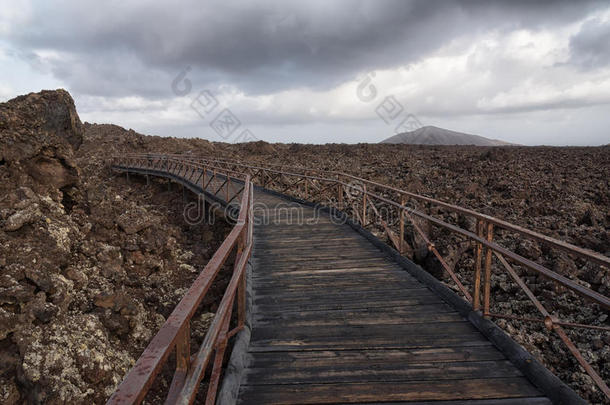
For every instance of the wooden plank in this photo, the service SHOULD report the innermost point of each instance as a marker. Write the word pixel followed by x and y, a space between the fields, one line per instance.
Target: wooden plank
pixel 354 331
pixel 503 401
pixel 329 295
pixel 282 239
pixel 355 318
pixel 322 251
pixel 370 264
pixel 281 244
pixel 390 391
pixel 326 306
pixel 320 256
pixel 404 357
pixel 366 342
pixel 313 264
pixel 380 371
pixel 321 288
pixel 312 280
pixel 380 275
pixel 281 314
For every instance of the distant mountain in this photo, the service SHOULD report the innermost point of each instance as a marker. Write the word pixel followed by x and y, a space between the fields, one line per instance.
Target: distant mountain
pixel 430 135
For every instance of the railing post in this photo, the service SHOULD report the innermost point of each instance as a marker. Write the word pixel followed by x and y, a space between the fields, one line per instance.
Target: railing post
pixel 487 286
pixel 221 346
pixel 183 348
pixel 402 224
pixel 476 292
pixel 241 243
pixel 241 289
pixel 183 362
pixel 340 195
pixel 205 173
pixel 363 205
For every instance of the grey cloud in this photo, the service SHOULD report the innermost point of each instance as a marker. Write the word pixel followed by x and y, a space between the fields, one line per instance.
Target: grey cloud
pixel 590 47
pixel 260 47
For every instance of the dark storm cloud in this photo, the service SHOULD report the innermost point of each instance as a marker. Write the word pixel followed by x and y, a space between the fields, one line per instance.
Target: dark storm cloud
pixel 260 47
pixel 590 48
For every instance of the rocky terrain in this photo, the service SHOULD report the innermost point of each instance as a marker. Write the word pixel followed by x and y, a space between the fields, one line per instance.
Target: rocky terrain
pixel 90 264
pixel 89 261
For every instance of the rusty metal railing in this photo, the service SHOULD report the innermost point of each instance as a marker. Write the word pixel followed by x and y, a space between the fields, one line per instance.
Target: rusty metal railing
pixel 174 335
pixel 364 200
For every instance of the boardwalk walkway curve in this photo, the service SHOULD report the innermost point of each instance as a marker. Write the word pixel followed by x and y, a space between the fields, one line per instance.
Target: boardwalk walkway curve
pixel 333 315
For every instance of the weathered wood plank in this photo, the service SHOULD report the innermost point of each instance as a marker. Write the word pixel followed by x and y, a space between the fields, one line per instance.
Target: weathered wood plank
pixel 390 391
pixel 504 401
pixel 280 314
pixel 355 318
pixel 404 357
pixel 389 303
pixel 366 342
pixel 333 295
pixel 316 268
pixel 380 371
pixel 360 331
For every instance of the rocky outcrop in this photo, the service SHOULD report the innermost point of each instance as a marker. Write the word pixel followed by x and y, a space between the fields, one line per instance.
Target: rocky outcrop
pixel 90 264
pixel 39 133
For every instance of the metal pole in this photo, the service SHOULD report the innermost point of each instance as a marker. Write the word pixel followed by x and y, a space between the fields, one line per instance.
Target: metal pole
pixel 340 196
pixel 476 292
pixel 241 289
pixel 487 287
pixel 363 205
pixel 402 225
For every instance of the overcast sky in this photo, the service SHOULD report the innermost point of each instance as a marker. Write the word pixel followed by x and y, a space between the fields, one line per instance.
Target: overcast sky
pixel 530 72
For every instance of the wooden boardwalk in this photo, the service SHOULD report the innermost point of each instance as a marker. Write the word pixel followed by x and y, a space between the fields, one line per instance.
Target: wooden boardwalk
pixel 336 321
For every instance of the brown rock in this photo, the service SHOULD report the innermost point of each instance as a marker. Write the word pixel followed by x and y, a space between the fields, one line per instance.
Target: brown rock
pixel 114 301
pixel 79 278
pixel 105 300
pixel 135 220
pixel 529 249
pixel 16 293
pixel 136 257
pixel 40 309
pixel 23 217
pixel 8 323
pixel 9 392
pixel 52 171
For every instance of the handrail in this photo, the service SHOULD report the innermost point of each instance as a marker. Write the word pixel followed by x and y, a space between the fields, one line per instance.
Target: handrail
pixel 175 332
pixel 483 238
